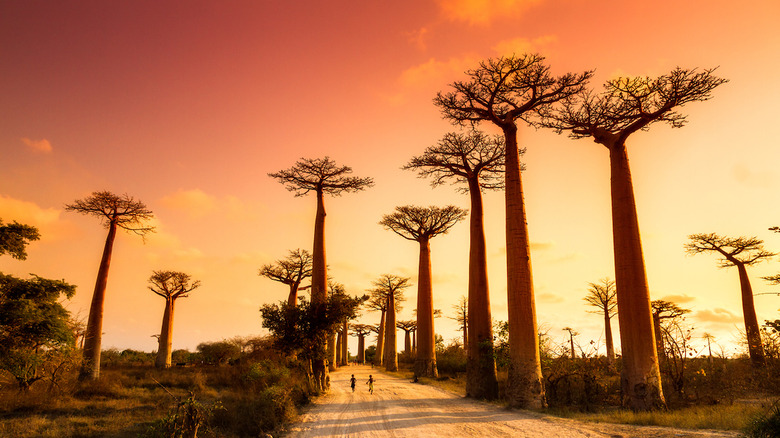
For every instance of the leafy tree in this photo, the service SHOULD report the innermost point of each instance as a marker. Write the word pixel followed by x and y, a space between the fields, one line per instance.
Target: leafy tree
pixel 290 271
pixel 603 296
pixel 420 224
pixel 502 91
pixel 740 252
pixel 34 326
pixel 115 212
pixel 628 105
pixel 171 285
pixel 477 161
pixel 218 353
pixel 321 176
pixel 390 288
pixel 15 237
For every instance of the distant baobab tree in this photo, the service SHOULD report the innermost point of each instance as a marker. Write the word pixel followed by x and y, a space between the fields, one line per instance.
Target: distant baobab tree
pixel 420 224
pixel 664 310
pixel 462 318
pixel 390 288
pixel 378 300
pixel 15 237
pixel 361 330
pixel 290 271
pixel 572 334
pixel 502 91
pixel 477 161
pixel 408 326
pixel 171 285
pixel 321 176
pixel 628 105
pixel 603 296
pixel 116 212
pixel 740 252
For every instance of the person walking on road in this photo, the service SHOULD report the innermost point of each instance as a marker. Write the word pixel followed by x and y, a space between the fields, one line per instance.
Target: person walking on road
pixel 370 384
pixel 352 382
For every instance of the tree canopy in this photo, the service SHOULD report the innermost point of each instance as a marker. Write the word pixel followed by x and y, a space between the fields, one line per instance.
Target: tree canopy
pixel 320 175
pixel 124 211
pixel 15 237
pixel 421 223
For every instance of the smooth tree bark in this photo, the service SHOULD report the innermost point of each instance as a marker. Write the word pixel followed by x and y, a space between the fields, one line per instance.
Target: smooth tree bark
pixel 408 327
pixel 170 285
pixel 475 160
pixel 116 212
pixel 321 176
pixel 291 271
pixel 502 91
pixel 420 224
pixel 344 349
pixel 603 296
pixel 628 105
pixel 740 252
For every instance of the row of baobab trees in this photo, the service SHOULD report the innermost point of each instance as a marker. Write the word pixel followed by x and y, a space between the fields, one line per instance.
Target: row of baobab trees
pixel 508 93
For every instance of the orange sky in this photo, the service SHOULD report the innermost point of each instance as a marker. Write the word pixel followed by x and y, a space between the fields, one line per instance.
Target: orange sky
pixel 188 105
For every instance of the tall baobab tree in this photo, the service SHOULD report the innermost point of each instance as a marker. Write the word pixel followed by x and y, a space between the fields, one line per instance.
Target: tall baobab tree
pixel 408 326
pixel 321 176
pixel 502 91
pixel 361 330
pixel 628 105
pixel 390 288
pixel 740 252
pixel 420 224
pixel 115 212
pixel 664 310
pixel 603 296
pixel 477 161
pixel 290 271
pixel 171 285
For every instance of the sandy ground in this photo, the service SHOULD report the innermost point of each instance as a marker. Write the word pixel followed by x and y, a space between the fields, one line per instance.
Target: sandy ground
pixel 399 408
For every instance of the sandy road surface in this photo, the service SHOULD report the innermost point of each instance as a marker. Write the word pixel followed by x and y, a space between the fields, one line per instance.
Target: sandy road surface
pixel 399 408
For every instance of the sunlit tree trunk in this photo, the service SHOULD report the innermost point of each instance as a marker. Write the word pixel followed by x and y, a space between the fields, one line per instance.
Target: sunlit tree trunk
pixel 319 285
pixel 292 298
pixel 641 378
pixel 90 367
pixel 164 349
pixel 331 345
pixel 391 358
pixel 344 338
pixel 608 337
pixel 755 347
pixel 524 384
pixel 425 362
pixel 361 356
pixel 481 365
pixel 339 351
pixel 660 348
pixel 407 342
pixel 380 341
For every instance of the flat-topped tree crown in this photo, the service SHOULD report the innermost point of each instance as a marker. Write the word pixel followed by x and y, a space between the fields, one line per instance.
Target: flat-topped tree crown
pixel 320 175
pixel 123 211
pixel 628 105
pixel 422 223
pixel 734 251
pixel 172 284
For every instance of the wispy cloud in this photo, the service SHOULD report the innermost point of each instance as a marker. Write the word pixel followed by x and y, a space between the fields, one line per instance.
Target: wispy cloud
pixel 549 298
pixel 524 45
pixel 717 315
pixel 42 145
pixel 679 299
pixel 483 12
pixel 195 202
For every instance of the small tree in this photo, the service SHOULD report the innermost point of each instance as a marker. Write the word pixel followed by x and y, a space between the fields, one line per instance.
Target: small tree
pixel 15 237
pixel 290 271
pixel 408 327
pixel 321 176
pixel 462 318
pixel 171 285
pixel 603 296
pixel 572 334
pixel 390 288
pixel 115 212
pixel 33 325
pixel 663 311
pixel 420 224
pixel 740 252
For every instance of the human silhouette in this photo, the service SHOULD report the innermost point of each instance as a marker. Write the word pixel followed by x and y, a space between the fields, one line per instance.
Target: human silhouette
pixel 352 382
pixel 370 384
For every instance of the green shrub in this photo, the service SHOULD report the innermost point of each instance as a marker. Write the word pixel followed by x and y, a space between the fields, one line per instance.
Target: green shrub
pixel 765 425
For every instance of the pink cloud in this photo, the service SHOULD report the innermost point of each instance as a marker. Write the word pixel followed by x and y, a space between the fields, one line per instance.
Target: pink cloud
pixel 38 145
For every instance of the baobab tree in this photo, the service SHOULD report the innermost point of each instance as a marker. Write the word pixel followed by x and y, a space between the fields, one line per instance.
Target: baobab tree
pixel 475 160
pixel 628 105
pixel 664 310
pixel 502 91
pixel 740 252
pixel 390 288
pixel 603 296
pixel 572 334
pixel 420 224
pixel 462 318
pixel 321 176
pixel 115 212
pixel 291 271
pixel 360 331
pixel 408 326
pixel 171 285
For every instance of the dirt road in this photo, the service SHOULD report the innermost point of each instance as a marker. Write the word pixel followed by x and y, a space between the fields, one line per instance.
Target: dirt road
pixel 399 408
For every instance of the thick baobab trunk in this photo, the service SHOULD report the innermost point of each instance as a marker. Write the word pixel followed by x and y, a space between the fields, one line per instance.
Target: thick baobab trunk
pixel 414 342
pixel 339 342
pixel 391 358
pixel 755 347
pixel 344 338
pixel 361 356
pixel 608 337
pixel 660 348
pixel 641 378
pixel 332 337
pixel 164 348
pixel 90 367
pixel 380 341
pixel 407 343
pixel 524 384
pixel 481 365
pixel 319 292
pixel 292 299
pixel 425 362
